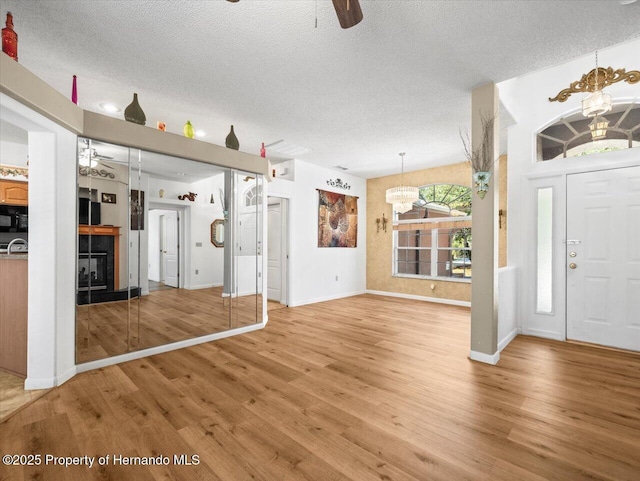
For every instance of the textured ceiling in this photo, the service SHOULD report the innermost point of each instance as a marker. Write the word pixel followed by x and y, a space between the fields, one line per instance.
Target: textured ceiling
pixel 399 81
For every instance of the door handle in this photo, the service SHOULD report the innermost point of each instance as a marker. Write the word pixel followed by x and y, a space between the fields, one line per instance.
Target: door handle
pixel 573 265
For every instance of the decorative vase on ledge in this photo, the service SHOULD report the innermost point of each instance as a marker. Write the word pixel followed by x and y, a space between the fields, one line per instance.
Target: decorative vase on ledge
pixel 232 141
pixel 187 130
pixel 10 39
pixel 481 181
pixel 133 112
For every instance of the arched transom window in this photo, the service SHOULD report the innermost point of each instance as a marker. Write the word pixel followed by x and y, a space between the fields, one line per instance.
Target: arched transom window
pixel 573 136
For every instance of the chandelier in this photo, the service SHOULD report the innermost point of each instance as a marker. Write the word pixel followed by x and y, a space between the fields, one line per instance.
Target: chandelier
pixel 404 196
pixel 598 101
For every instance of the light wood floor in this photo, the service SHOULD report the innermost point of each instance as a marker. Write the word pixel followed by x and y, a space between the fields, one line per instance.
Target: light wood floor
pixel 13 395
pixel 364 388
pixel 162 317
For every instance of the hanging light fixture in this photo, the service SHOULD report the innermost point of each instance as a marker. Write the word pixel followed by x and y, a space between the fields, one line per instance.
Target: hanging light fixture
pixel 597 102
pixel 87 158
pixel 404 196
pixel 598 127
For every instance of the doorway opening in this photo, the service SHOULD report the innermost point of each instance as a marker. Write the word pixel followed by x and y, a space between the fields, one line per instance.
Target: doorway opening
pixel 277 252
pixel 164 249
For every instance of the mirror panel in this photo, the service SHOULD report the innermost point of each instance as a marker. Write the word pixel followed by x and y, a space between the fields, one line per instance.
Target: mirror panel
pixel 102 303
pixel 172 275
pixel 247 257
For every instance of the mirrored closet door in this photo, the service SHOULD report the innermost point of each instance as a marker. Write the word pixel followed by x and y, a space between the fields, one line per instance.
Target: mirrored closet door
pixel 168 249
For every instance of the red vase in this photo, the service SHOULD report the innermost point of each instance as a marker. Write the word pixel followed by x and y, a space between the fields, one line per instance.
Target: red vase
pixel 10 39
pixel 263 151
pixel 74 91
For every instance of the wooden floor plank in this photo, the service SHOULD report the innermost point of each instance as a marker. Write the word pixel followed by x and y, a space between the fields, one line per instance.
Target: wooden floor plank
pixel 362 388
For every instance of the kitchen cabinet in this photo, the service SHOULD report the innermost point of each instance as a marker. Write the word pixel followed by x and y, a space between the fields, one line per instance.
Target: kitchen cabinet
pixel 13 192
pixel 13 314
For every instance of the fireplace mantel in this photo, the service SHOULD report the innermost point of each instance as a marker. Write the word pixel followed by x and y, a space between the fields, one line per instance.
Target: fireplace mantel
pixel 106 230
pixel 98 230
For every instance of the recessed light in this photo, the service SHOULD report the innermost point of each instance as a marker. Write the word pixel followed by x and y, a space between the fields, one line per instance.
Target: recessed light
pixel 200 133
pixel 112 109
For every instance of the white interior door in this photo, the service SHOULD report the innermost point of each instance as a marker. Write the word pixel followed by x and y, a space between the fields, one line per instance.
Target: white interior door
pixel 170 251
pixel 274 250
pixel 603 258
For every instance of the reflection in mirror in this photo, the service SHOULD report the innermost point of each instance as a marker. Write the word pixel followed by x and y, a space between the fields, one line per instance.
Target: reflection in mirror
pixel 246 219
pixel 175 278
pixel 217 232
pixel 102 273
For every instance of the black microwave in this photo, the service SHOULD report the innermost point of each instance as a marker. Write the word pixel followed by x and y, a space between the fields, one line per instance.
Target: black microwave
pixel 14 218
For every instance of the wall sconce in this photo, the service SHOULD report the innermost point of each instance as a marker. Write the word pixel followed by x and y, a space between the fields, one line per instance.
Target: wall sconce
pixel 381 223
pixel 501 213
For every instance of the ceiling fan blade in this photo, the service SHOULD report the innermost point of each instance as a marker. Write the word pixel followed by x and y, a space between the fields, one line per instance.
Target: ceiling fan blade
pixel 349 12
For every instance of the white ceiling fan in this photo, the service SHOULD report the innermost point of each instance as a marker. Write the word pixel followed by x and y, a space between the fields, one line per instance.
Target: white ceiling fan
pixel 89 157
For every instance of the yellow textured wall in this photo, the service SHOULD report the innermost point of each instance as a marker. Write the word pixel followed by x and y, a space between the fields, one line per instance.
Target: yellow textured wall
pixel 380 244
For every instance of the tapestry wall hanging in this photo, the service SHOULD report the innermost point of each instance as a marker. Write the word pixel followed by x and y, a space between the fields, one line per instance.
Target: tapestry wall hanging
pixel 337 220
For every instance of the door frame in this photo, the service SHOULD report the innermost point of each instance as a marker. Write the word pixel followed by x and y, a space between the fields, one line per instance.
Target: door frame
pixel 286 222
pixel 183 218
pixel 553 325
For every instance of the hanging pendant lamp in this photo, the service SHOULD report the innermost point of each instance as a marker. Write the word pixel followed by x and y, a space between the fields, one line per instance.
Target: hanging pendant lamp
pixel 598 102
pixel 404 196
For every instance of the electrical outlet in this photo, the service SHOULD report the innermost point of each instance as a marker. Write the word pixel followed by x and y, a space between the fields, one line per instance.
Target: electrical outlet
pixel 198 244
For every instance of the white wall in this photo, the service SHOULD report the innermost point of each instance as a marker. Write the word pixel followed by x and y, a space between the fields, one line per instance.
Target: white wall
pixel 313 269
pixel 526 99
pixel 205 257
pixel 13 153
pixel 200 253
pixel 52 246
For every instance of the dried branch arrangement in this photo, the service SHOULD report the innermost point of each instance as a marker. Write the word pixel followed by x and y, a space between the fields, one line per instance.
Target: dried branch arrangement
pixel 481 158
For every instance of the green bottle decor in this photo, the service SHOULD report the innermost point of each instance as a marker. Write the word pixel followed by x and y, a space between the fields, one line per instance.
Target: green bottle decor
pixel 232 141
pixel 133 113
pixel 187 130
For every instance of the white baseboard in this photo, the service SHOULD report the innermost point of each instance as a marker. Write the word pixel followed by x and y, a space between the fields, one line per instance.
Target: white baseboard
pixel 49 382
pixel 41 383
pixel 556 336
pixel 64 377
pixel 485 358
pixel 324 299
pixel 452 302
pixel 203 286
pixel 508 338
pixel 88 366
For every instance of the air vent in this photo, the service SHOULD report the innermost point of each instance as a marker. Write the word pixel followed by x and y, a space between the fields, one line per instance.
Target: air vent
pixel 287 148
pixel 340 167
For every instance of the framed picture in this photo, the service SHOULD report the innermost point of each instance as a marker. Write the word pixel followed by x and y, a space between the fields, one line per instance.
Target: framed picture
pixel 137 209
pixel 337 219
pixel 108 198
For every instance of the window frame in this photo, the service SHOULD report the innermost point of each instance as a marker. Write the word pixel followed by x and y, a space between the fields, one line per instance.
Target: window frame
pixel 434 248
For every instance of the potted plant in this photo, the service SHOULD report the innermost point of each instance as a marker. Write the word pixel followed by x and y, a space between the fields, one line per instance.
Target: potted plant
pixel 481 158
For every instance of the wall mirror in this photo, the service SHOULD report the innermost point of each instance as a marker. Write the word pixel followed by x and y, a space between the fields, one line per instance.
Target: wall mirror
pixel 217 232
pixel 149 271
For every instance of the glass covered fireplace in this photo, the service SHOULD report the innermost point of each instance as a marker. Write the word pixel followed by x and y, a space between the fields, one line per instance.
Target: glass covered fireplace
pixel 92 271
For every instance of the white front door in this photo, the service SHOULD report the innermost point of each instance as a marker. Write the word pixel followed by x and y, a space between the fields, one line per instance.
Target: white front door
pixel 274 251
pixel 603 257
pixel 170 251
